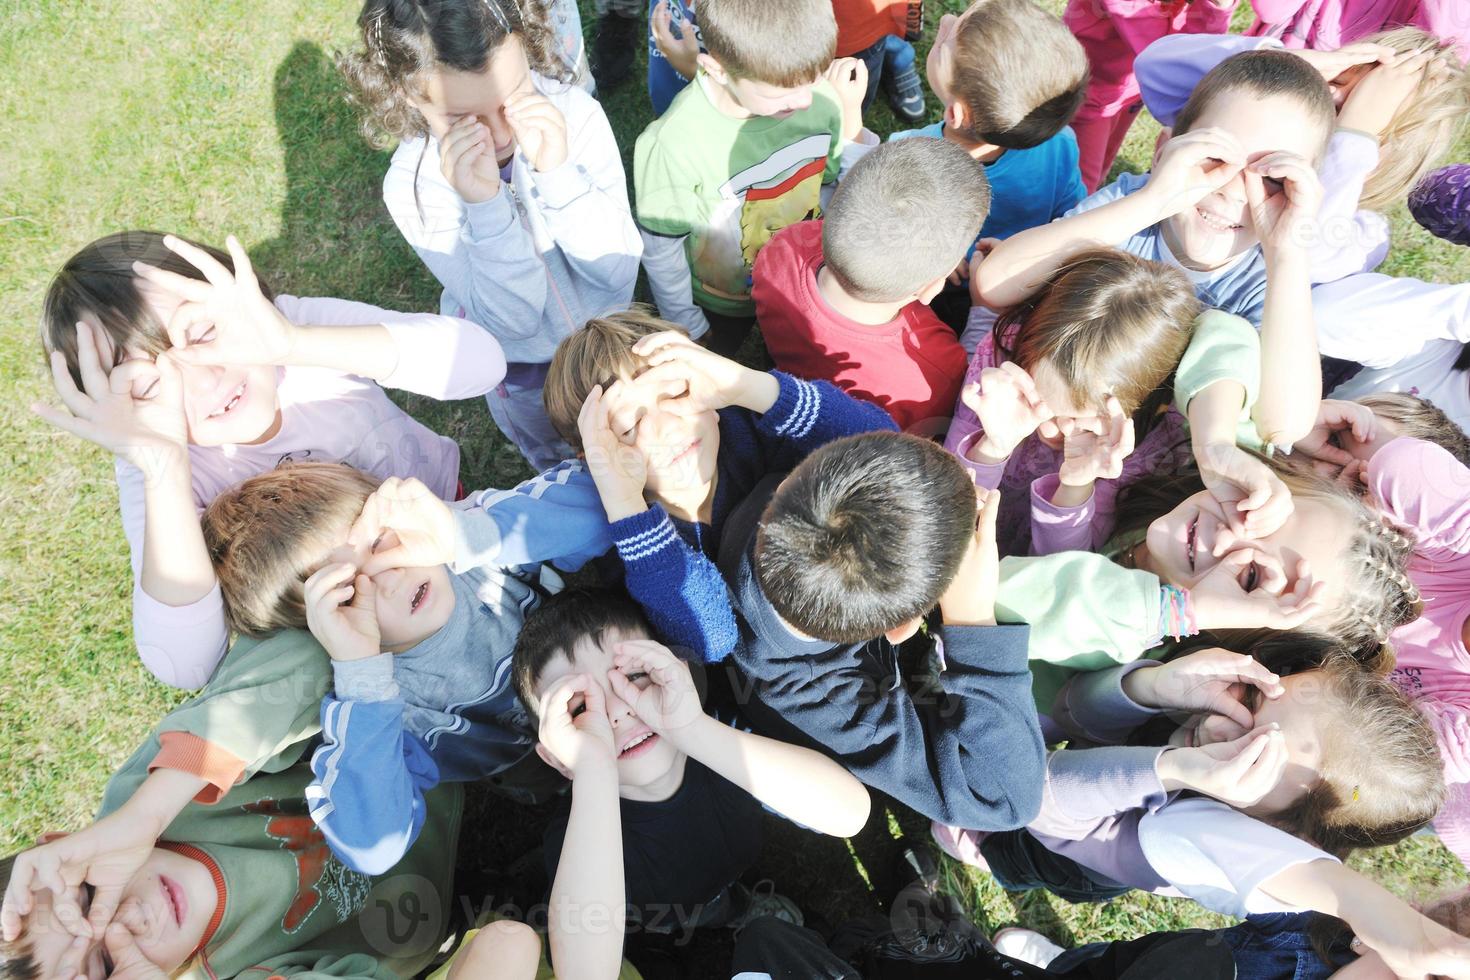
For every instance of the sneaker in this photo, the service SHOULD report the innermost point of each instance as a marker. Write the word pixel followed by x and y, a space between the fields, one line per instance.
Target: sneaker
pixel 1026 946
pixel 763 900
pixel 905 93
pixel 960 844
pixel 614 48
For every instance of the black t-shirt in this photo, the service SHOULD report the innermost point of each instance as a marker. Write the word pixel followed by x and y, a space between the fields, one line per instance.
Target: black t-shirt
pixel 681 852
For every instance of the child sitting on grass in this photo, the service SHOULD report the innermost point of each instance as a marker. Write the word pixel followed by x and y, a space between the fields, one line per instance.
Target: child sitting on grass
pixel 195 375
pixel 690 787
pixel 418 604
pixel 846 298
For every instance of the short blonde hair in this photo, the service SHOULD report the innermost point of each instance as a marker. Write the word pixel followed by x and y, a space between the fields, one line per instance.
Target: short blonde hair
pixel 1426 128
pixel 786 43
pixel 1019 72
pixel 904 217
pixel 1420 419
pixel 598 354
pixel 266 535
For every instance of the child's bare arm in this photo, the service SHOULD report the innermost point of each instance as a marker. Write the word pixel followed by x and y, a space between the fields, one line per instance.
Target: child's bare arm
pixel 502 950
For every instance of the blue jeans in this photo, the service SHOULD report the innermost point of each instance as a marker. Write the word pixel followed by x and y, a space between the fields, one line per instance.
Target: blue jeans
pixel 663 82
pixel 518 411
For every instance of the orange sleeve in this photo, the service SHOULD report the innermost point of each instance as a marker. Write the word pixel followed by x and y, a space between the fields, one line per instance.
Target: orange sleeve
pixel 190 753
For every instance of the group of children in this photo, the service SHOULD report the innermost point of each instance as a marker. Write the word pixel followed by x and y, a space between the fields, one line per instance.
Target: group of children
pixel 1041 527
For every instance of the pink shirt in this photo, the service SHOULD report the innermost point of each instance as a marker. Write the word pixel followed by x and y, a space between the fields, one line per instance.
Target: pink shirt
pixel 1326 25
pixel 325 415
pixel 1425 490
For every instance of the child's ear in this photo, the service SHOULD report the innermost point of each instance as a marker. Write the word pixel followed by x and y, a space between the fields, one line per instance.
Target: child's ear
pixel 903 631
pixel 552 761
pixel 1165 134
pixel 928 292
pixel 712 68
pixel 955 115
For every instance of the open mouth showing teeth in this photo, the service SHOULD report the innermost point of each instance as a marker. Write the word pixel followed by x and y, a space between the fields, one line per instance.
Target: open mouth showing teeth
pixel 632 747
pixel 1215 222
pixel 229 405
pixel 1191 538
pixel 418 598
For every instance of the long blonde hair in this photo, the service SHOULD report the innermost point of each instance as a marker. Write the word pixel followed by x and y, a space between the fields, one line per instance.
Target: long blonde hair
pixel 1425 130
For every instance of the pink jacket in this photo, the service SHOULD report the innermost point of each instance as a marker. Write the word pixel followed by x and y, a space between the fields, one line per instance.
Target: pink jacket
pixel 1326 25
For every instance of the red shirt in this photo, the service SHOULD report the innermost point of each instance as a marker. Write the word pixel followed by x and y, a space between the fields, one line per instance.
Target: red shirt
pixel 860 23
pixel 912 366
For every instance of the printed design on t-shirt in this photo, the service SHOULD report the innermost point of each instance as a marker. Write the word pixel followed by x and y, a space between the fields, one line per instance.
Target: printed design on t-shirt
pixel 1409 679
pixel 319 876
pixel 784 188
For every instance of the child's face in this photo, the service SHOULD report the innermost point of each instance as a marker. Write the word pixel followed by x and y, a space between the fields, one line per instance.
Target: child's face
pixel 1218 228
pixel 680 450
pixel 223 406
pixel 167 906
pixel 759 98
pixel 1302 714
pixel 412 603
pixel 644 758
pixel 1185 544
pixel 447 96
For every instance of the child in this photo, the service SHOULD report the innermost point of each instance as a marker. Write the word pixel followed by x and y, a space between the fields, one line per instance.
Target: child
pixel 689 784
pixel 1333 572
pixel 1113 32
pixel 420 651
pixel 1228 200
pixel 675 437
pixel 205 862
pixel 174 357
pixel 1423 355
pixel 743 152
pixel 1319 763
pixel 845 298
pixel 1011 77
pixel 854 548
pixel 1107 329
pixel 480 103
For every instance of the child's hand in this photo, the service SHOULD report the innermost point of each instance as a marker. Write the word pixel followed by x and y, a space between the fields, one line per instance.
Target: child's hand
pixel 712 382
pixel 1382 92
pixel 134 410
pixel 1334 417
pixel 226 319
pixel 1248 590
pixel 1210 680
pixel 618 469
pixel 1255 501
pixel 970 598
pixel 668 701
pixel 681 50
pixel 849 76
pixel 128 961
pixel 1240 772
pixel 1094 449
pixel 574 725
pixel 347 630
pixel 1190 167
pixel 467 159
pixel 405 526
pixel 1332 64
pixel 540 130
pixel 105 855
pixel 1009 408
pixel 1285 194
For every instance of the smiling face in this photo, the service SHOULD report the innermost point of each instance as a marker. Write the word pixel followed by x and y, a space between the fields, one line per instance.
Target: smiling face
pixel 412 603
pixel 1303 713
pixel 649 767
pixel 1186 543
pixel 1218 228
pixel 680 450
pixel 167 906
pixel 445 96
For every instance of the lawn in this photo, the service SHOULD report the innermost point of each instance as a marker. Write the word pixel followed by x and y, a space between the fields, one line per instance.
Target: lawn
pixel 227 117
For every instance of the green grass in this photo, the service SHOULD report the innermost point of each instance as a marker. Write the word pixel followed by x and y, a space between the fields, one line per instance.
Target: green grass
pixel 227 117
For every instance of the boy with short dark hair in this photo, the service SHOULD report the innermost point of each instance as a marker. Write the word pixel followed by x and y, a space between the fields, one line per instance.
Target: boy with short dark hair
pixel 856 546
pixel 689 816
pixel 746 149
pixel 846 298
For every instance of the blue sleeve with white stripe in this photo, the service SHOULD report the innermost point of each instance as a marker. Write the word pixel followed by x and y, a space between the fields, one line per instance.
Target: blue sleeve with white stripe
pixel 680 589
pixel 809 414
pixel 554 517
pixel 368 785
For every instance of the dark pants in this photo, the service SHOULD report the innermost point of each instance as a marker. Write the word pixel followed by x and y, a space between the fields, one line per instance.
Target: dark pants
pixel 726 333
pixel 1020 863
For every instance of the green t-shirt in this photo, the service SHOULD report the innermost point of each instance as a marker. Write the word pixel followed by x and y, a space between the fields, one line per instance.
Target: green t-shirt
pixel 730 184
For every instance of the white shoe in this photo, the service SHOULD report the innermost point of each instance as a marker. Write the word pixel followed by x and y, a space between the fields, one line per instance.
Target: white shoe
pixel 1026 946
